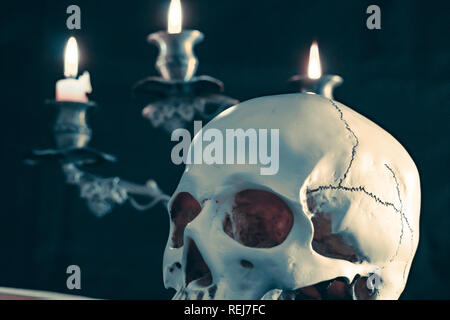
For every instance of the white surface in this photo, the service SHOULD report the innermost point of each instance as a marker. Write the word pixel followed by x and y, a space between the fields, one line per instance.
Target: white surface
pixel 39 294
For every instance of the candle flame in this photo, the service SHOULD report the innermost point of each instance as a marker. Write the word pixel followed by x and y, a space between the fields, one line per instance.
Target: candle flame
pixel 175 17
pixel 71 58
pixel 314 67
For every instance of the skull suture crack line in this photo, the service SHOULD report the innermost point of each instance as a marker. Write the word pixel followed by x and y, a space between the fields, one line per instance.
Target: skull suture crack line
pixel 362 189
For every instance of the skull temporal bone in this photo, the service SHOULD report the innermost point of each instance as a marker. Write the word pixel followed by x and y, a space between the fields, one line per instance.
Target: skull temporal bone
pixel 351 190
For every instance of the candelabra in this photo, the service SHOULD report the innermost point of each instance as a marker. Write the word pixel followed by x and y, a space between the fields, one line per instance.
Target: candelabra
pixel 170 101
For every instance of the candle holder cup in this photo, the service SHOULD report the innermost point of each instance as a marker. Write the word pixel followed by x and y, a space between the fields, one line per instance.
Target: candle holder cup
pixel 176 60
pixel 71 134
pixel 323 86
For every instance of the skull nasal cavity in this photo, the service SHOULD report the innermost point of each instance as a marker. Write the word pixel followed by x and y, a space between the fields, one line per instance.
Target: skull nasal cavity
pixel 196 268
pixel 184 209
pixel 260 219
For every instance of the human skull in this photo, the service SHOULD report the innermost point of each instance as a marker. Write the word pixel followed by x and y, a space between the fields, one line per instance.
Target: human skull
pixel 339 220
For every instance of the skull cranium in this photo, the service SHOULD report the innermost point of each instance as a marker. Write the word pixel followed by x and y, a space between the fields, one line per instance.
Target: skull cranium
pixel 339 220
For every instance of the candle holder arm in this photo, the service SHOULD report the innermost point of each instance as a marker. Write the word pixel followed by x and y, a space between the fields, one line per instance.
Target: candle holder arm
pixel 102 194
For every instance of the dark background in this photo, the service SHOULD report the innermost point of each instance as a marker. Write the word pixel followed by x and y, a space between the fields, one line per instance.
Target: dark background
pixel 397 76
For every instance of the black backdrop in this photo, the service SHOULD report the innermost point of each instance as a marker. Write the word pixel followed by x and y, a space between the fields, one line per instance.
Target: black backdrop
pixel 397 76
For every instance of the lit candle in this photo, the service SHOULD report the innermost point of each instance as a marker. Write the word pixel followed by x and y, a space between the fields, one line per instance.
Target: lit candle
pixel 314 66
pixel 315 81
pixel 71 88
pixel 175 17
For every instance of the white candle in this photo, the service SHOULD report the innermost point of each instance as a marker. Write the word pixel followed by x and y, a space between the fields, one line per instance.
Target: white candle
pixel 71 88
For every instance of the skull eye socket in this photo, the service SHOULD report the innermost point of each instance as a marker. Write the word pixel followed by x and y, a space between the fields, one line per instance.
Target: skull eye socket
pixel 184 209
pixel 260 219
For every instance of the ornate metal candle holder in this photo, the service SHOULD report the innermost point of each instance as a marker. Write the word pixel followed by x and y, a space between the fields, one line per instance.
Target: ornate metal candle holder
pixel 176 60
pixel 323 86
pixel 173 99
pixel 72 135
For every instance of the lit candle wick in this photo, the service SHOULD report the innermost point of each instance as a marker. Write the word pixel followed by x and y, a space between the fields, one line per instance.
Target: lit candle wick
pixel 175 17
pixel 71 58
pixel 314 67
